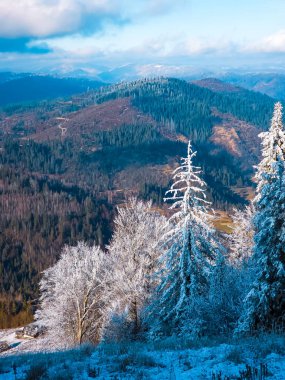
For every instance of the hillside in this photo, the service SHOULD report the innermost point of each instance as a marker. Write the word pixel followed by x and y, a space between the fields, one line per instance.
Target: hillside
pixel 271 84
pixel 28 88
pixel 217 85
pixel 66 164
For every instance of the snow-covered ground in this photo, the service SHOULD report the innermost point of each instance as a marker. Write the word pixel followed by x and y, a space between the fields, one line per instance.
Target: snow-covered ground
pixel 19 346
pixel 167 359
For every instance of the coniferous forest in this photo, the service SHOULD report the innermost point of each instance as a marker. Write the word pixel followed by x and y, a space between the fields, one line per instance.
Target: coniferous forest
pixel 111 233
pixel 58 190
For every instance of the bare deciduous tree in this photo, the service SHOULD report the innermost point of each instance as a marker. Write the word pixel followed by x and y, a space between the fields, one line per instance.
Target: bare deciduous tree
pixel 134 253
pixel 72 305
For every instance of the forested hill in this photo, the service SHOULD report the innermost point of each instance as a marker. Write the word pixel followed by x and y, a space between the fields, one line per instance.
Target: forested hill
pixel 64 164
pixel 172 98
pixel 26 88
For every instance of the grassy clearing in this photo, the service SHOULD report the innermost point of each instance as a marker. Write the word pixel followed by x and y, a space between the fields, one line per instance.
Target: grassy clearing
pixel 223 222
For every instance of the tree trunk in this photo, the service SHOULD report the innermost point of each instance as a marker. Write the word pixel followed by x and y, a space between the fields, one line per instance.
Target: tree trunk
pixel 135 316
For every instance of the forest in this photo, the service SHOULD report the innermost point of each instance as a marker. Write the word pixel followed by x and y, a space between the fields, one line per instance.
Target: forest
pixel 174 275
pixel 60 191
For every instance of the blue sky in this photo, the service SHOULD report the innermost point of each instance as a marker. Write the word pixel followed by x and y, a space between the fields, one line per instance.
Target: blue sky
pixel 64 35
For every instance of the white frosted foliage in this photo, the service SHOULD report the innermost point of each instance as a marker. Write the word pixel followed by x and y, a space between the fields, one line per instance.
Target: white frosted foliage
pixel 72 295
pixel 134 255
pixel 189 248
pixel 265 303
pixel 240 241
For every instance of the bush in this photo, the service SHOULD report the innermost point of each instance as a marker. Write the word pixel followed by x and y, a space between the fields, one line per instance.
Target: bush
pixel 86 350
pixel 270 343
pixel 36 372
pixel 235 356
pixel 93 372
pixel 3 369
pixel 134 361
pixel 62 375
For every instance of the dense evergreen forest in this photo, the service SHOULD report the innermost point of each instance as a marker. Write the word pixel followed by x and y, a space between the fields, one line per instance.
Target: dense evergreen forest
pixel 60 191
pixel 187 108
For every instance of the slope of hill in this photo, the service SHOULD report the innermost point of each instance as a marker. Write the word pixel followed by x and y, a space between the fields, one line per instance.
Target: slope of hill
pixel 217 85
pixel 6 76
pixel 64 165
pixel 271 84
pixel 28 88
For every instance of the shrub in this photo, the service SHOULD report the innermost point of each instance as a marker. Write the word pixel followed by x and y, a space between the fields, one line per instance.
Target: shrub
pixel 61 375
pixel 36 372
pixel 136 360
pixel 235 356
pixel 93 372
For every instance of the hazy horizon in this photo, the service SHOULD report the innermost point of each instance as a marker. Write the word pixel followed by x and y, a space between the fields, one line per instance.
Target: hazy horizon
pixel 152 37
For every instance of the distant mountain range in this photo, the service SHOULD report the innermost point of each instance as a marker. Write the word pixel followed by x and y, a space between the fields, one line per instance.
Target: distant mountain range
pixel 25 87
pixel 270 84
pixel 20 88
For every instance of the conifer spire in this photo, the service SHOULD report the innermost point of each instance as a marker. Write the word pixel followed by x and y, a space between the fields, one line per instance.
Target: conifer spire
pixel 265 303
pixel 188 248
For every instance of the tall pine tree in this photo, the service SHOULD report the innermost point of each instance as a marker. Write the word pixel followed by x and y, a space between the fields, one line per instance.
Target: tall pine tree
pixel 189 251
pixel 265 303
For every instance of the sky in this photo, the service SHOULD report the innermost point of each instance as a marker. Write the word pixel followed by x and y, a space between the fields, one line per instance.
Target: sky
pixel 96 35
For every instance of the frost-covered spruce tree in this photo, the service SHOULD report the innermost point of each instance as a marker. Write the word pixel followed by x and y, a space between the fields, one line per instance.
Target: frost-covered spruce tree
pixel 134 252
pixel 265 303
pixel 222 308
pixel 240 241
pixel 73 295
pixel 189 250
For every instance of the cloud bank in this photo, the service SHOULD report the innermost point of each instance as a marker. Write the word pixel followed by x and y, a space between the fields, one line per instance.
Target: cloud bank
pixel 43 18
pixel 76 33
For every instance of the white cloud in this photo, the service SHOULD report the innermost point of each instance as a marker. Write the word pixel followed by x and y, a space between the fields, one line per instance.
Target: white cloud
pixel 274 43
pixel 35 18
pixel 200 46
pixel 162 6
pixel 42 18
pixel 115 43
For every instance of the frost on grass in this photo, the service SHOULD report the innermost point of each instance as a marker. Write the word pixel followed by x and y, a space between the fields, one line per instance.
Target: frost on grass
pixel 171 358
